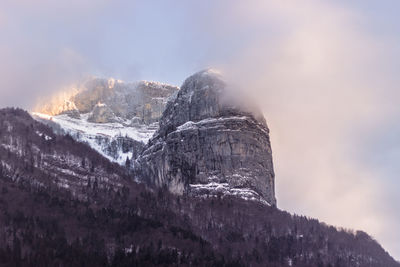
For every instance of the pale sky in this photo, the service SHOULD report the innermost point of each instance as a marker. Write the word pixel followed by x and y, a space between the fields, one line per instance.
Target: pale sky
pixel 324 72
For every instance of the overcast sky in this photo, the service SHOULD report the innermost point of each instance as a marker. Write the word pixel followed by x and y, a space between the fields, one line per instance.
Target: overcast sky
pixel 324 72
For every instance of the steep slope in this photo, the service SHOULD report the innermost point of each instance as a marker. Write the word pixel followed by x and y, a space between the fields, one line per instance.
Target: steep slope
pixel 144 100
pixel 63 204
pixel 31 153
pixel 46 223
pixel 113 117
pixel 116 141
pixel 208 144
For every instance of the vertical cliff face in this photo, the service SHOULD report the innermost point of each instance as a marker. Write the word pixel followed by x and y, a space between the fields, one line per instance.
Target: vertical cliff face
pixel 142 100
pixel 209 144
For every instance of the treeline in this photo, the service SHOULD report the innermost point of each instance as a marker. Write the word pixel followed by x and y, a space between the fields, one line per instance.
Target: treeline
pixel 60 232
pixel 147 231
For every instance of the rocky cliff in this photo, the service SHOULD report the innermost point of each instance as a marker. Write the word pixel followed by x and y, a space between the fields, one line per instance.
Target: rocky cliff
pixel 207 140
pixel 113 117
pixel 143 101
pixel 101 113
pixel 209 144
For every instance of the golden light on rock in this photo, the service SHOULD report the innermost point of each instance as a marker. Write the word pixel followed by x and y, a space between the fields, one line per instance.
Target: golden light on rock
pixel 58 103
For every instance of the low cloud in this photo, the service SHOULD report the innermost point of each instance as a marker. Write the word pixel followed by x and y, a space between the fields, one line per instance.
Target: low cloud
pixel 321 83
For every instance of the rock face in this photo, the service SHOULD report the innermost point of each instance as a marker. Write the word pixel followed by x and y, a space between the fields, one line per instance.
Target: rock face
pixel 113 117
pixel 207 144
pixel 102 114
pixel 141 100
pixel 144 100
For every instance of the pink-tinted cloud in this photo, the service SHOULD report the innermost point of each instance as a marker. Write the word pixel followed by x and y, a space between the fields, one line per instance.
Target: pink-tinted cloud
pixel 320 83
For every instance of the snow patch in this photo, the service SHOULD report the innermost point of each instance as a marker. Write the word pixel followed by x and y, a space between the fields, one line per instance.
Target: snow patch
pixel 187 126
pixel 227 190
pixel 92 133
pixel 100 105
pixel 46 137
pixel 42 116
pixel 190 125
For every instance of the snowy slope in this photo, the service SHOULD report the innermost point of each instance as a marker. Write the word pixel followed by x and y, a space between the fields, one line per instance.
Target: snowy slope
pixel 113 117
pixel 101 135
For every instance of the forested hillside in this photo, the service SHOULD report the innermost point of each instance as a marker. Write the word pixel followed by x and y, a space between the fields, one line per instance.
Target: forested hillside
pixel 96 215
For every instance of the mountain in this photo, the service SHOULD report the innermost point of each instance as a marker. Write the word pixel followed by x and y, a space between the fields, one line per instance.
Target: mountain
pixel 207 145
pixel 199 192
pixel 63 204
pixel 207 142
pixel 113 117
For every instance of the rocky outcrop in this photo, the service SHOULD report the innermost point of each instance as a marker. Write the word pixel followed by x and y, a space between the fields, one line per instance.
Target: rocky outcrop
pixel 73 113
pixel 144 100
pixel 208 141
pixel 209 144
pixel 102 114
pixel 63 106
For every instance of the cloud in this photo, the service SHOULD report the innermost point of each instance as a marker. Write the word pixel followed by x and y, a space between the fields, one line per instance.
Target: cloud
pixel 319 77
pixel 29 74
pixel 38 55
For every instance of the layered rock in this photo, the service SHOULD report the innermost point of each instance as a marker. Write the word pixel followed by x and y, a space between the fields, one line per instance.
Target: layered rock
pixel 208 144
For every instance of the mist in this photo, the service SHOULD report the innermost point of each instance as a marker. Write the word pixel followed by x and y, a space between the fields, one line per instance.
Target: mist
pixel 323 74
pixel 325 92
